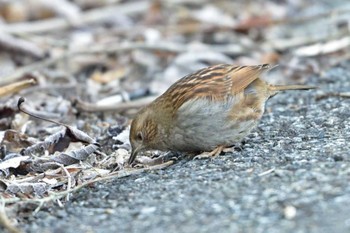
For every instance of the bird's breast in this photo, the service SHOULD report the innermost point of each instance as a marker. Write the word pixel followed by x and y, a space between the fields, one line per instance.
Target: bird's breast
pixel 202 124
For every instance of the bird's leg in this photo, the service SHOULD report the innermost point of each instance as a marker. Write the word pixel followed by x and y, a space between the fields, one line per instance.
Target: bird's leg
pixel 213 154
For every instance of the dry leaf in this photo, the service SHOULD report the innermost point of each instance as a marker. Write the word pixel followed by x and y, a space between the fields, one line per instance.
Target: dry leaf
pixel 75 156
pixel 38 189
pixel 15 141
pixel 12 162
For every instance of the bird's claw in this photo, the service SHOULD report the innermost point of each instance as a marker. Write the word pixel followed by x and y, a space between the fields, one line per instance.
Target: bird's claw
pixel 213 154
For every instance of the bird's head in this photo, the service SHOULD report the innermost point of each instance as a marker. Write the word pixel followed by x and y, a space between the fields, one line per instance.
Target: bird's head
pixel 143 134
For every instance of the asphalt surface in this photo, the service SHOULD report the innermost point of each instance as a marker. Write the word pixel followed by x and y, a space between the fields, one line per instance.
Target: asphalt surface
pixel 292 175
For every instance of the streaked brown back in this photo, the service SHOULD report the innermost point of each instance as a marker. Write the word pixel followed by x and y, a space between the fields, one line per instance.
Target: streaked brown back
pixel 215 83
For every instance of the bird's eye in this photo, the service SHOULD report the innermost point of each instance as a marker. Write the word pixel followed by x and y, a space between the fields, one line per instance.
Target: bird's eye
pixel 139 136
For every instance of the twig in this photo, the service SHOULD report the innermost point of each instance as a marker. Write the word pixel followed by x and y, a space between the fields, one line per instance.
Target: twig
pixel 37 209
pixel 69 178
pixel 59 203
pixel 92 16
pixel 5 221
pixel 121 107
pixel 333 94
pixel 267 172
pixel 11 43
pixel 288 43
pixel 323 48
pixel 16 87
pixel 32 67
pixel 37 114
pixel 64 8
pixel 344 94
pixel 113 175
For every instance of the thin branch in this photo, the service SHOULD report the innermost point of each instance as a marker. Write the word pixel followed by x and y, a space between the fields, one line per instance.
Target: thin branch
pixel 29 68
pixel 282 44
pixel 36 115
pixel 333 94
pixel 267 172
pixel 11 43
pixel 69 178
pixel 323 48
pixel 121 107
pixel 5 221
pixel 16 87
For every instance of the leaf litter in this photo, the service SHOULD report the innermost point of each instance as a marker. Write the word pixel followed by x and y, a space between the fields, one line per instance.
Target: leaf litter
pixel 88 66
pixel 62 162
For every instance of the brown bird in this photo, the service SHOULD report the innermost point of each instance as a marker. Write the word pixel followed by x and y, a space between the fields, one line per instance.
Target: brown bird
pixel 206 111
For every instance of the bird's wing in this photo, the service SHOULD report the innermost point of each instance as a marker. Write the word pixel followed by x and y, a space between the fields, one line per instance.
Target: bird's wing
pixel 214 83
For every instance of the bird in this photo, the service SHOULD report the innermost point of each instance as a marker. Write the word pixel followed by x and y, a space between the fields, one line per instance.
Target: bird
pixel 205 112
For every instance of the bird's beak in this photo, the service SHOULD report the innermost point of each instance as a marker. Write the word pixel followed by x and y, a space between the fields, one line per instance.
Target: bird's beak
pixel 132 157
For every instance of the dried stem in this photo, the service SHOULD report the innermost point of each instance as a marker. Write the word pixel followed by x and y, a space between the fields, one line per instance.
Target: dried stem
pixel 333 94
pixel 69 180
pixel 21 100
pixel 11 43
pixel 29 68
pixel 121 107
pixel 16 87
pixel 5 221
pixel 267 172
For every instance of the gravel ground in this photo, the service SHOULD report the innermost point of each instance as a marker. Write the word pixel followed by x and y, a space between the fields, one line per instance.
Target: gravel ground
pixel 291 176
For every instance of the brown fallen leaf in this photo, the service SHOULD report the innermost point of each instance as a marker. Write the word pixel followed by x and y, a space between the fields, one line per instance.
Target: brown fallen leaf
pixel 16 141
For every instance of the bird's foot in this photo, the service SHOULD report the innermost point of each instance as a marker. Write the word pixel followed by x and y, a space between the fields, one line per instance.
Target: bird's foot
pixel 213 154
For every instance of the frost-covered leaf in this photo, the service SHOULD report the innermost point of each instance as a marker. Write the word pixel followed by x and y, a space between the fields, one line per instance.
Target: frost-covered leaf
pixel 75 156
pixel 59 141
pixel 13 162
pixel 37 189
